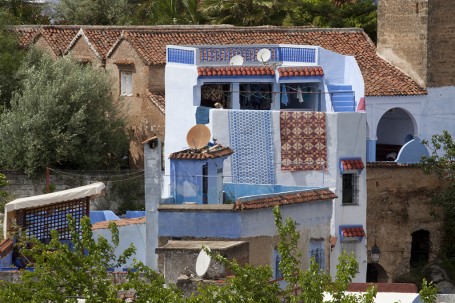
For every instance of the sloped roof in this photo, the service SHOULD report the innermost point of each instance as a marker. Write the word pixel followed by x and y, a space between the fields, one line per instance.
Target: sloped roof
pixel 58 37
pixel 207 153
pixel 381 78
pixel 300 71
pixel 99 40
pixel 157 100
pixel 286 199
pixel 26 35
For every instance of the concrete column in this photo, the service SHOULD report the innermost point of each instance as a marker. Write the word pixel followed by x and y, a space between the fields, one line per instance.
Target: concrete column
pixel 152 187
pixel 235 96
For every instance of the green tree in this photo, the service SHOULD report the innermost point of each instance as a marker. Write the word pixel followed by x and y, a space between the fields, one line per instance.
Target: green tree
pixel 161 12
pixel 441 162
pixel 10 59
pixel 25 12
pixel 62 116
pixel 3 194
pixel 93 12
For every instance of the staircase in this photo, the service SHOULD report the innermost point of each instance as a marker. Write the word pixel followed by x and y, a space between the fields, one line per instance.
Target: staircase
pixel 343 99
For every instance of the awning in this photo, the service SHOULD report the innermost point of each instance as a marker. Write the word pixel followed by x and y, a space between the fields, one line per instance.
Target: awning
pixel 351 232
pixel 91 191
pixel 56 197
pixel 348 165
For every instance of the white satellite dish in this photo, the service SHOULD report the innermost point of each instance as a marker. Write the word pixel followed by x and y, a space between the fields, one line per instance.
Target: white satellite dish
pixel 202 262
pixel 264 55
pixel 236 60
pixel 198 136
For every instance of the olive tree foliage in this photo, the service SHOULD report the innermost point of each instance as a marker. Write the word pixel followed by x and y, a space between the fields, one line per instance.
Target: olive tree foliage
pixel 442 162
pixel 62 116
pixel 62 273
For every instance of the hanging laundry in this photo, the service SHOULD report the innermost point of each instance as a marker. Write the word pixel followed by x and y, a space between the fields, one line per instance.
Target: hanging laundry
pixel 284 95
pixel 299 94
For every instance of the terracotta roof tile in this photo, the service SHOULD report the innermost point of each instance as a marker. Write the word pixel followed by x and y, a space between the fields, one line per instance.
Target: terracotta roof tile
pixel 286 199
pixel 192 154
pixel 300 71
pixel 121 222
pixel 381 78
pixel 158 100
pixel 6 246
pixel 352 231
pixel 102 40
pixel 391 164
pixel 26 35
pixel 59 38
pixel 235 71
pixel 352 164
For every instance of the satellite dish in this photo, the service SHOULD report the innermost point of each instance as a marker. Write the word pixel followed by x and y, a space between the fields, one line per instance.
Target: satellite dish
pixel 264 55
pixel 236 60
pixel 202 262
pixel 198 136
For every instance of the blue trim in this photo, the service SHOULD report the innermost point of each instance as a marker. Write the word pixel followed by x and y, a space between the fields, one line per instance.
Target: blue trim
pixel 294 54
pixel 348 226
pixel 183 56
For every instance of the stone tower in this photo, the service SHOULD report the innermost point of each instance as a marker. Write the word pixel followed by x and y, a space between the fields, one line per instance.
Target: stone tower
pixel 418 36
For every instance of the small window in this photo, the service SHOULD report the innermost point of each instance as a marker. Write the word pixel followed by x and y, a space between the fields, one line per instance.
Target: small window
pixel 317 252
pixel 350 189
pixel 256 96
pixel 126 83
pixel 350 247
pixel 276 264
pixel 301 96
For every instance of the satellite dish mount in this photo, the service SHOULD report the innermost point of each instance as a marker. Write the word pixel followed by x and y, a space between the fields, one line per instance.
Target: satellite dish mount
pixel 264 55
pixel 203 262
pixel 236 60
pixel 198 136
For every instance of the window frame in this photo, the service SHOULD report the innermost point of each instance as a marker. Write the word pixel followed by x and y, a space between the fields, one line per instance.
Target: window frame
pixel 353 187
pixel 126 82
pixel 317 250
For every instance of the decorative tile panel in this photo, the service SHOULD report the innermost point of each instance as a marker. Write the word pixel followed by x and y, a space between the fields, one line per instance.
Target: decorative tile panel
pixel 183 56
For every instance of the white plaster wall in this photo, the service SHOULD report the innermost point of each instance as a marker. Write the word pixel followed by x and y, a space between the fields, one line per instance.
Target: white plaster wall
pixel 314 214
pixel 438 112
pixel 134 233
pixel 333 65
pixel 353 76
pixel 376 107
pixel 180 82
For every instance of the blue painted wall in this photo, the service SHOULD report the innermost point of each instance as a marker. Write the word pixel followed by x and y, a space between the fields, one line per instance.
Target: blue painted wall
pixel 235 190
pixel 412 152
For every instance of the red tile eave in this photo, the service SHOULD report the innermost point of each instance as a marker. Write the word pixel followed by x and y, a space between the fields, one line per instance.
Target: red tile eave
pixel 353 164
pixel 286 199
pixel 191 155
pixel 300 71
pixel 235 71
pixel 353 231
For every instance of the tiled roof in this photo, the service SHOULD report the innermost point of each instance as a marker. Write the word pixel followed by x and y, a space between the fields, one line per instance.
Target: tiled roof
pixel 352 231
pixel 102 40
pixel 192 154
pixel 286 199
pixel 158 100
pixel 391 164
pixel 299 71
pixel 381 78
pixel 59 38
pixel 6 246
pixel 121 222
pixel 26 35
pixel 235 71
pixel 352 164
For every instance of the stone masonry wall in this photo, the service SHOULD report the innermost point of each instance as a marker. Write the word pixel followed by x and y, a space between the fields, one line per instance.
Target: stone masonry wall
pixel 132 188
pixel 398 206
pixel 441 57
pixel 403 35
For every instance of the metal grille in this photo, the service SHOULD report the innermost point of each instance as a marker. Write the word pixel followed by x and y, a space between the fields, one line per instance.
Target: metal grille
pixel 39 221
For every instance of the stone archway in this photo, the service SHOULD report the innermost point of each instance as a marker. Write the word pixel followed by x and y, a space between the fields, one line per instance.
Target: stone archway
pixel 376 274
pixel 420 248
pixel 395 127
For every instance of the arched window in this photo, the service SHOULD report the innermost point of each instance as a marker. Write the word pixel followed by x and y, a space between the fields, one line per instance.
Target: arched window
pixel 420 248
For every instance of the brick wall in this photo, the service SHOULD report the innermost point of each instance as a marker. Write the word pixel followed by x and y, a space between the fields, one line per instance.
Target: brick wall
pixel 398 206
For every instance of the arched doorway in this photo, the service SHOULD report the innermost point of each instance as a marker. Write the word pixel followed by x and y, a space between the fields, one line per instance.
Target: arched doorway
pixel 420 248
pixel 394 129
pixel 376 273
